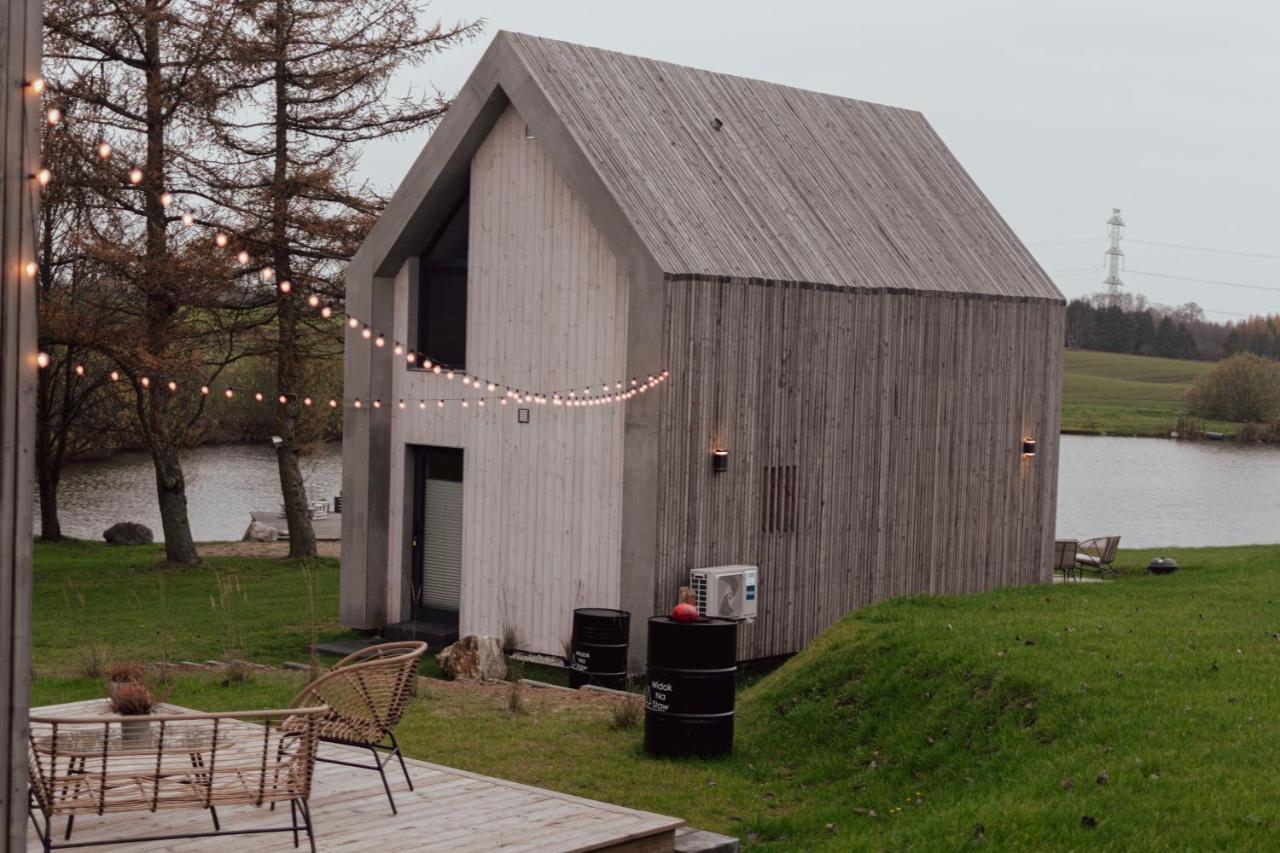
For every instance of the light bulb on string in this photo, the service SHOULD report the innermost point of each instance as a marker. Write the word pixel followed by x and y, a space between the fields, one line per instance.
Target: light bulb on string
pixel 104 150
pixel 257 395
pixel 285 286
pixel 465 404
pixel 31 268
pixel 204 390
pixel 37 85
pixel 135 176
pixel 43 177
pixel 356 403
pixel 188 218
pixel 333 404
pixel 380 342
pixel 399 350
pixel 306 401
pixel 366 333
pixel 166 199
pixel 439 404
pixel 220 240
pixel 313 301
pixel 115 376
pixel 326 312
pixel 422 404
pixel 353 322
pixel 492 387
pixel 229 393
pixel 173 386
pixel 53 116
pixel 402 404
pixel 145 382
pixel 377 404
pixel 42 360
pixel 480 403
pixel 243 257
pixel 449 375
pixel 436 369
pixel 283 399
pixel 267 273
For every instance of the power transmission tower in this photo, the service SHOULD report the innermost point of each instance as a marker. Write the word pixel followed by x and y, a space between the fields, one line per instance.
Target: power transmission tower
pixel 1115 257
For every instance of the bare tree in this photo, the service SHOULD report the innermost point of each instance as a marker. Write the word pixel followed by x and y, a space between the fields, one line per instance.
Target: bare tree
pixel 312 85
pixel 135 78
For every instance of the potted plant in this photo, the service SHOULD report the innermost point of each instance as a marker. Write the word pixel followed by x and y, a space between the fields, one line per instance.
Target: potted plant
pixel 133 699
pixel 123 672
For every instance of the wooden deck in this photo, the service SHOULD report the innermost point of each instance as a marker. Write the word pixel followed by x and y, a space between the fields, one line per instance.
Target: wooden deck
pixel 449 810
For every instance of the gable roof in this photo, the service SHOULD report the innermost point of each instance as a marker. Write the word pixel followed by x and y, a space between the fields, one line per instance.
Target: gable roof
pixel 713 175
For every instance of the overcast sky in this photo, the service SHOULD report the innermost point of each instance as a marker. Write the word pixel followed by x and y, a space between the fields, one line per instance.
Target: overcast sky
pixel 1167 109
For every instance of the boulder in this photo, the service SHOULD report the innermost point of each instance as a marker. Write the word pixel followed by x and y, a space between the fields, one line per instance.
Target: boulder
pixel 259 532
pixel 128 533
pixel 475 658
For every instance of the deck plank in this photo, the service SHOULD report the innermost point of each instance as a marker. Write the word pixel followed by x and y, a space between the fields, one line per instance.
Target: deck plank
pixel 449 809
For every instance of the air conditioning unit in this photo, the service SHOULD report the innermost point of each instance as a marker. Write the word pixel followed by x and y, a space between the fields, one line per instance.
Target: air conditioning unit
pixel 728 592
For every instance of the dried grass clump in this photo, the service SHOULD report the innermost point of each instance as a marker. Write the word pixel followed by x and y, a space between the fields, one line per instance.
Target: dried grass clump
pixel 628 711
pixel 133 699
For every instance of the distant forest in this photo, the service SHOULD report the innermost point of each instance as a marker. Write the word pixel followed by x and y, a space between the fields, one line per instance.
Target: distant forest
pixel 1133 325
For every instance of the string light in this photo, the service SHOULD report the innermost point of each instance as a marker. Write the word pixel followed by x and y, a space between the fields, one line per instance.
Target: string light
pixel 333 404
pixel 220 239
pixel 188 218
pixel 243 257
pixel 31 268
pixel 135 176
pixel 380 342
pixel 257 395
pixel 283 399
pixel 79 370
pixel 53 116
pixel 37 85
pixel 352 322
pixel 145 382
pixel 166 199
pixel 173 386
pixel 115 376
pixel 326 312
pixel 312 300
pixel 42 360
pixel 104 150
pixel 356 404
pixel 43 177
pixel 366 333
pixel 229 393
pixel 285 286
pixel 267 273
pixel 306 401
pixel 204 389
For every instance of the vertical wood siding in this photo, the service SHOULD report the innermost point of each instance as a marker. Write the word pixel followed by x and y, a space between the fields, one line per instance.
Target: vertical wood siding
pixel 19 201
pixel 547 308
pixel 902 416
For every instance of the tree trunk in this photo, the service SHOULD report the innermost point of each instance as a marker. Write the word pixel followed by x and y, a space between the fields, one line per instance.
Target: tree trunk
pixel 50 527
pixel 302 536
pixel 171 492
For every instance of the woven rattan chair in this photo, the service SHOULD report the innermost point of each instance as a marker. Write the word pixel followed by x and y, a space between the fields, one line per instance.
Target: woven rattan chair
pixel 97 765
pixel 366 693
pixel 1064 558
pixel 1098 554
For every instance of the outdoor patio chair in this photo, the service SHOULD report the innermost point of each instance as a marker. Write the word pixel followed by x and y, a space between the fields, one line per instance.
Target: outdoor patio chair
pixel 1098 555
pixel 366 693
pixel 98 765
pixel 1064 558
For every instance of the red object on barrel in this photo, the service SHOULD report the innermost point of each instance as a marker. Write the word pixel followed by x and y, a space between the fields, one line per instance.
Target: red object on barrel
pixel 684 613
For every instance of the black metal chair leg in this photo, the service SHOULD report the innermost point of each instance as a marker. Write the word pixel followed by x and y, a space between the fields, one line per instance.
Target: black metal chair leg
pixel 213 812
pixel 386 786
pixel 293 819
pixel 400 756
pixel 306 815
pixel 46 842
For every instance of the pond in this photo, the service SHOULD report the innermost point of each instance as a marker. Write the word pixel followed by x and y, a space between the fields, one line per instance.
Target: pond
pixel 224 483
pixel 1151 491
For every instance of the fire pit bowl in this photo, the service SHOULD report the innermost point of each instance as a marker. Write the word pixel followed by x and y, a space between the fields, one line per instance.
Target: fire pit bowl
pixel 1162 566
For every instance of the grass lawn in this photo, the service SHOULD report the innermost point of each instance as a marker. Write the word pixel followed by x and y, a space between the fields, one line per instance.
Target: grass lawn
pixel 1136 714
pixel 1119 394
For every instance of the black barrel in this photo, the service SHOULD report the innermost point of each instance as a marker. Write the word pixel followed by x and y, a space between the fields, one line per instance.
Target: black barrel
pixel 599 654
pixel 688 707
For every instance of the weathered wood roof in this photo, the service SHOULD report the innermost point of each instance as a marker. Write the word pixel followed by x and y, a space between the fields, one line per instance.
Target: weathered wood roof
pixel 717 175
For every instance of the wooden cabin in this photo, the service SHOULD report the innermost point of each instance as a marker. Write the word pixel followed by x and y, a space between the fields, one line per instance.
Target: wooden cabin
pixel 836 308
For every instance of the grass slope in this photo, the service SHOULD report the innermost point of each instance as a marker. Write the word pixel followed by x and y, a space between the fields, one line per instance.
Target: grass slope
pixel 920 723
pixel 1115 394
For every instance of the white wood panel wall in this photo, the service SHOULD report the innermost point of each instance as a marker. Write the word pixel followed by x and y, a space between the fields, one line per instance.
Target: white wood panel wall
pixel 547 308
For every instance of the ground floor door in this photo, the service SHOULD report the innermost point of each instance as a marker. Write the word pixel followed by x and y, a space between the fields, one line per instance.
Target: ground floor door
pixel 437 538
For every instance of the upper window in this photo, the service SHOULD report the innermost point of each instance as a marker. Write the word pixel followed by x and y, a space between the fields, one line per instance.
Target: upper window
pixel 440 316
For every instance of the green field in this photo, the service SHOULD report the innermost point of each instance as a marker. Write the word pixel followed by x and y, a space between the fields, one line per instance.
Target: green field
pixel 1114 394
pixel 1135 714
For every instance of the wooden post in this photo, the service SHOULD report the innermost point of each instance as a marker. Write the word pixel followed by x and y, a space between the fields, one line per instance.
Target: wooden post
pixel 19 200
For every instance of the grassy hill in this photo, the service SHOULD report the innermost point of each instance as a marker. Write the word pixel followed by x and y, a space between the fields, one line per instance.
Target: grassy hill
pixel 1132 715
pixel 1118 394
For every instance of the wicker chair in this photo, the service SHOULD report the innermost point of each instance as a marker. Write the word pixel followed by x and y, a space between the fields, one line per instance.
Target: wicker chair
pixel 1064 558
pixel 1098 555
pixel 366 694
pixel 97 765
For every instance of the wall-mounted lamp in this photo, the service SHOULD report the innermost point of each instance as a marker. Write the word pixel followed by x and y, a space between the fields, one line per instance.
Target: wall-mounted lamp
pixel 1028 447
pixel 719 460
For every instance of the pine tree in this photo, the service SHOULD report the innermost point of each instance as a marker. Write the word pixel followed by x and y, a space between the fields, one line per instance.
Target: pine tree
pixel 312 84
